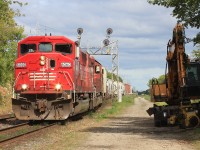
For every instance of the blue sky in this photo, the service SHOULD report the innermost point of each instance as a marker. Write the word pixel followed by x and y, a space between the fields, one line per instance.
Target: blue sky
pixel 142 30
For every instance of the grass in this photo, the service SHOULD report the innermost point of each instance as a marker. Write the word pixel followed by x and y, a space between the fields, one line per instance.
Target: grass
pixel 6 107
pixel 145 96
pixel 115 109
pixel 5 100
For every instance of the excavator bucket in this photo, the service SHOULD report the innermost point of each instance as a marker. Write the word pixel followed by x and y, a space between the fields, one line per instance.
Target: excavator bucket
pixel 158 92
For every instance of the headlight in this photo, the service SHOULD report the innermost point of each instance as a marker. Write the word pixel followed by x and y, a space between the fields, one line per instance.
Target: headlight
pixel 42 62
pixel 24 86
pixel 58 87
pixel 21 65
pixel 65 64
pixel 42 58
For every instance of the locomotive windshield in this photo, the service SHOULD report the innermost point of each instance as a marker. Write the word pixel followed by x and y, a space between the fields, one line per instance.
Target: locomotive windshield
pixel 27 48
pixel 63 48
pixel 45 47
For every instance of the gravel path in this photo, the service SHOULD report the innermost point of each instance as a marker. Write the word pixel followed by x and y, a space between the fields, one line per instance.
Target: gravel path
pixel 134 130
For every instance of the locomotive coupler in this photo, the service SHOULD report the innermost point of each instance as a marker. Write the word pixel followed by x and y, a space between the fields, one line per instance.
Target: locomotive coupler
pixel 41 105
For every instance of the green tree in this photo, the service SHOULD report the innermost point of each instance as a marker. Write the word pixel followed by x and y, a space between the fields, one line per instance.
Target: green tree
pixel 161 79
pixel 187 11
pixel 109 76
pixel 10 33
pixel 196 53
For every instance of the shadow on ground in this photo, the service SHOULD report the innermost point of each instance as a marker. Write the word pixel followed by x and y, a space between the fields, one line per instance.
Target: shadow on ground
pixel 144 126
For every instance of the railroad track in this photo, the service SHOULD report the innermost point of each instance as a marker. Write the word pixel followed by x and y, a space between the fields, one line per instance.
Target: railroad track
pixel 13 127
pixel 7 116
pixel 9 121
pixel 8 136
pixel 12 134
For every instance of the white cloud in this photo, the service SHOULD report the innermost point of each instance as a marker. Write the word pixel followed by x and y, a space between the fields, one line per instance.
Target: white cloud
pixel 142 30
pixel 140 77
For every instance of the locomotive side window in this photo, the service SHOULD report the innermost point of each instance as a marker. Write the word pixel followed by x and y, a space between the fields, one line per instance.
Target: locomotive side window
pixel 27 48
pixel 64 48
pixel 52 63
pixel 97 69
pixel 45 47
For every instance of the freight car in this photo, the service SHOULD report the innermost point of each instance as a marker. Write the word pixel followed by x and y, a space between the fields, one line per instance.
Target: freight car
pixel 55 79
pixel 112 86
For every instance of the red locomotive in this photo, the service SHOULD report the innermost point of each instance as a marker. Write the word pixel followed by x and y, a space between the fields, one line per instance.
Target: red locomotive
pixel 55 79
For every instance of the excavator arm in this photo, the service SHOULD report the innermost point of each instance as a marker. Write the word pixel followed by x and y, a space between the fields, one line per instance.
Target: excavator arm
pixel 177 62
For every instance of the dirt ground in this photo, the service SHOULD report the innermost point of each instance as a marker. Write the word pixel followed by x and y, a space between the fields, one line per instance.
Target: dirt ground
pixel 131 130
pixel 134 130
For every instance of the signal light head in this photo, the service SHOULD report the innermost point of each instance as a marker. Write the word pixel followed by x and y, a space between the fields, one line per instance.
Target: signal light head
pixel 80 31
pixel 42 58
pixel 106 42
pixel 109 31
pixel 42 63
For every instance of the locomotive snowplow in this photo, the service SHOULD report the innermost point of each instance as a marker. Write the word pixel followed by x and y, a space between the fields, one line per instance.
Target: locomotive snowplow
pixel 176 101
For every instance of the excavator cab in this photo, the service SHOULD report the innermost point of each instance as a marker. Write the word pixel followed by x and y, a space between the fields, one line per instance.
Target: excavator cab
pixel 193 80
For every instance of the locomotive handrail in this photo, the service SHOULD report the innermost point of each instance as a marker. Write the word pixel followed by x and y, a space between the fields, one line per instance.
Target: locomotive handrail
pixel 34 80
pixel 67 79
pixel 71 82
pixel 48 80
pixel 17 78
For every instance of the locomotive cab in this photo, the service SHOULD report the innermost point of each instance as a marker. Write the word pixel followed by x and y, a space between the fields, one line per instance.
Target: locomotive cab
pixel 44 78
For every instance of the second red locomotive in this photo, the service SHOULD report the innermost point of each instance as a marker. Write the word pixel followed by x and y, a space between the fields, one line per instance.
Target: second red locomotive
pixel 55 79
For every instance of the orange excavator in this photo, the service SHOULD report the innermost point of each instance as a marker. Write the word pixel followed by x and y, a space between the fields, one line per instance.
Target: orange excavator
pixel 176 101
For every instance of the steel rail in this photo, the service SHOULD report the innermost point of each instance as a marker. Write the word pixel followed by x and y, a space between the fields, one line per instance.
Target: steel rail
pixel 7 116
pixel 12 127
pixel 2 142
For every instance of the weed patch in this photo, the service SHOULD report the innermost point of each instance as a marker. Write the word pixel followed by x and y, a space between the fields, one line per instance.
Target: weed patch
pixel 147 97
pixel 115 109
